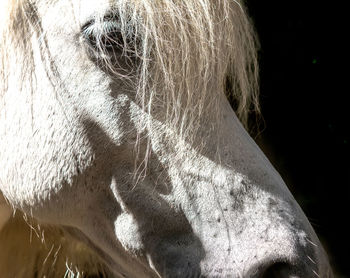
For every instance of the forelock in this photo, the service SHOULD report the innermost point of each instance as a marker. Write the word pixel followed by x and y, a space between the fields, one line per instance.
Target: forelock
pixel 190 51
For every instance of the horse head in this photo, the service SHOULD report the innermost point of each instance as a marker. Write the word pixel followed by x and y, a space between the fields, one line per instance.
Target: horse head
pixel 115 129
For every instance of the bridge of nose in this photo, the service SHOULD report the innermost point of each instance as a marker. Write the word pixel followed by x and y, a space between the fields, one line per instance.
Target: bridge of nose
pixel 239 215
pixel 236 227
pixel 244 222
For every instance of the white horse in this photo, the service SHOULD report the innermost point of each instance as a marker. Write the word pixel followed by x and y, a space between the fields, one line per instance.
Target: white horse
pixel 120 154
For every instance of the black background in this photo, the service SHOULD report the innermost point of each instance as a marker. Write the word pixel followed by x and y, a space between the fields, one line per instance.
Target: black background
pixel 304 86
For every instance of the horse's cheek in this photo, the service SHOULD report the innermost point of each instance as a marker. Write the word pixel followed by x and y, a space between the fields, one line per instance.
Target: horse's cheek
pixel 42 160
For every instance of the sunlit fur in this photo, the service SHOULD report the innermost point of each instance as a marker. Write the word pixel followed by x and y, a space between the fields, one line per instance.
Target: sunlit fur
pixel 191 50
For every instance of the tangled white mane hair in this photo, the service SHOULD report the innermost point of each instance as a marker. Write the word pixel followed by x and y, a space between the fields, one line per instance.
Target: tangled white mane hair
pixel 192 50
pixel 186 53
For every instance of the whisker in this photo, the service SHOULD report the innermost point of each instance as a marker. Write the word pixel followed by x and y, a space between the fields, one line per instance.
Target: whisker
pixel 316 273
pixel 311 260
pixel 312 243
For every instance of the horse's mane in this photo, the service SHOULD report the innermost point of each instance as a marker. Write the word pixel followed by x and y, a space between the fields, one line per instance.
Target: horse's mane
pixel 192 50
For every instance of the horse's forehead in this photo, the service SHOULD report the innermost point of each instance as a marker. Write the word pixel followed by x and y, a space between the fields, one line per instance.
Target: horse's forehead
pixel 86 8
pixel 78 9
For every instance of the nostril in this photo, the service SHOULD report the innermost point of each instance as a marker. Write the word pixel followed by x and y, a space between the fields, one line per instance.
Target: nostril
pixel 279 270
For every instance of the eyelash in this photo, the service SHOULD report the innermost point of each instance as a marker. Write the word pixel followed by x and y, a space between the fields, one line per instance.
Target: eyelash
pixel 107 36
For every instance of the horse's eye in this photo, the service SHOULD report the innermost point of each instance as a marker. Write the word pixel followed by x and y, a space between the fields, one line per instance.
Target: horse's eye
pixel 105 35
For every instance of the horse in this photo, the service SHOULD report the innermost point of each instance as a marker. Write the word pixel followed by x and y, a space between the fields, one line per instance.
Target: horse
pixel 121 155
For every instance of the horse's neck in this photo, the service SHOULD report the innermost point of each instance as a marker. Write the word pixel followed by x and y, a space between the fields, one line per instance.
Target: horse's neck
pixel 5 211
